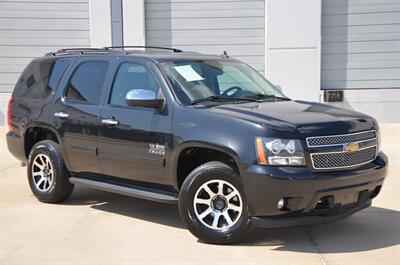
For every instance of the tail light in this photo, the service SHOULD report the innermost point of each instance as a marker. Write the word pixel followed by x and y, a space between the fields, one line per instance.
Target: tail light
pixel 10 105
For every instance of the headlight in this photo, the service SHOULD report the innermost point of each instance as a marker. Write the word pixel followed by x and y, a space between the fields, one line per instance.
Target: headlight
pixel 274 151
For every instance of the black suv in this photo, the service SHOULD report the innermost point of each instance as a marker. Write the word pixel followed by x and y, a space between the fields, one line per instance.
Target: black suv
pixel 206 132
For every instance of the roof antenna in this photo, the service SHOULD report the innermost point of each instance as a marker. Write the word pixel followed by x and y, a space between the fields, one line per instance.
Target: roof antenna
pixel 225 55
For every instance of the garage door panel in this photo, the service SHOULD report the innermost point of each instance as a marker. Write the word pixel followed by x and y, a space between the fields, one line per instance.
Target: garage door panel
pixel 361 84
pixel 211 33
pixel 5 68
pixel 205 13
pixel 205 41
pixel 49 6
pixel 44 24
pixel 361 47
pixel 362 29
pixel 337 65
pixel 361 74
pixel 357 3
pixel 331 38
pixel 205 23
pixel 28 51
pixel 45 34
pixel 361 57
pixel 17 61
pixel 54 42
pixel 361 19
pixel 9 78
pixel 201 5
pixel 360 44
pixel 23 14
pixel 6 88
pixel 32 28
pixel 237 27
pixel 237 50
pixel 382 8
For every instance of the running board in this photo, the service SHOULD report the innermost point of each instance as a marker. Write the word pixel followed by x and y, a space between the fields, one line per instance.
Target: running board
pixel 133 191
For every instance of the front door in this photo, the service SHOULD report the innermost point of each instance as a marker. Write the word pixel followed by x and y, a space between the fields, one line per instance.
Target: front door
pixel 134 142
pixel 76 115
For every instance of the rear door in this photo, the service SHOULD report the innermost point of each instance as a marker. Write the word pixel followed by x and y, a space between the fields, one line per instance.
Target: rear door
pixel 136 145
pixel 76 115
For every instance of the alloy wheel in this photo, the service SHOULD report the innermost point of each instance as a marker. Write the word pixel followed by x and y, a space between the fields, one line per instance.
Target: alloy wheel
pixel 42 172
pixel 218 204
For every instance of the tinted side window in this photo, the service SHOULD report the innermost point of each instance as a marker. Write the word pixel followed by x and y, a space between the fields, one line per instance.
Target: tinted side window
pixel 57 72
pixel 34 80
pixel 87 82
pixel 131 76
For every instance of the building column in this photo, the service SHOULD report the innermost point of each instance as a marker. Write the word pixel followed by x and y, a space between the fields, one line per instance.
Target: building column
pixel 133 22
pixel 293 47
pixel 100 23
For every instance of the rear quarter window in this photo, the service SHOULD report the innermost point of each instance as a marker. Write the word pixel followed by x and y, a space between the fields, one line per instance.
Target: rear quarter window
pixel 40 78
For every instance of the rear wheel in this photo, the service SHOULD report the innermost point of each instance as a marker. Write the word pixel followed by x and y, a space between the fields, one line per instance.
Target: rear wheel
pixel 47 174
pixel 213 206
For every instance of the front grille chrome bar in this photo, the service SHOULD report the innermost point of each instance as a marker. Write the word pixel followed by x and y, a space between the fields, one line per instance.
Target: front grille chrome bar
pixel 331 140
pixel 366 144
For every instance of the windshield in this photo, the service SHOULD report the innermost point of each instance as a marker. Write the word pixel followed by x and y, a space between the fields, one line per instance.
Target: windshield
pixel 197 81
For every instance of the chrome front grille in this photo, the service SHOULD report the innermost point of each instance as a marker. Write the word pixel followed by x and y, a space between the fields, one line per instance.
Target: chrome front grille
pixel 322 157
pixel 343 159
pixel 341 139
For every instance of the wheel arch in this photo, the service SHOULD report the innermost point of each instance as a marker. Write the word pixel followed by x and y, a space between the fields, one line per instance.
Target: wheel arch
pixel 36 132
pixel 183 153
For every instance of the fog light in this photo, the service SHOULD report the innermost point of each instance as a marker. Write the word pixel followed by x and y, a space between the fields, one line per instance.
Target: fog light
pixel 281 204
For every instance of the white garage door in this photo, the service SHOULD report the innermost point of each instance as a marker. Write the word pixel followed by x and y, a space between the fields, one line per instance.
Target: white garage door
pixel 360 44
pixel 30 28
pixel 209 27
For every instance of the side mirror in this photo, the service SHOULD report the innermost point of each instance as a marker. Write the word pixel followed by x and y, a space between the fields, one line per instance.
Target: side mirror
pixel 143 98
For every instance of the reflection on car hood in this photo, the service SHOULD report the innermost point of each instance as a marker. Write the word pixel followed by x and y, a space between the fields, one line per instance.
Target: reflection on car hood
pixel 303 117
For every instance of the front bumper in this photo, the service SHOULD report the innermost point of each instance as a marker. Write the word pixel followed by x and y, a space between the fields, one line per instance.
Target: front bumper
pixel 312 197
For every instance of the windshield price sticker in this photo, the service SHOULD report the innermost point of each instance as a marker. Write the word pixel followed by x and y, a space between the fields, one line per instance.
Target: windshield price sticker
pixel 187 72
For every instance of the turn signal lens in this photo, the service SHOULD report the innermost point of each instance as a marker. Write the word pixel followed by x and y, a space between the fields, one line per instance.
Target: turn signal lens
pixel 260 152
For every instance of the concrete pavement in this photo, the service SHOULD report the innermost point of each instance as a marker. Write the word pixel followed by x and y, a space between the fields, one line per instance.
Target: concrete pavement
pixel 95 227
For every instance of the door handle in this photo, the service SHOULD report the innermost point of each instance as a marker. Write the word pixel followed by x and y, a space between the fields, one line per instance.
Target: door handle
pixel 109 121
pixel 61 115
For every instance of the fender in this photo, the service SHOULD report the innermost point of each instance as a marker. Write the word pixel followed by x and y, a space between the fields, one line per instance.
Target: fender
pixel 41 125
pixel 184 145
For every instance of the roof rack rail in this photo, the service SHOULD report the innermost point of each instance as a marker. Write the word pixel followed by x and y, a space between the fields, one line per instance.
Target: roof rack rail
pixel 77 51
pixel 149 47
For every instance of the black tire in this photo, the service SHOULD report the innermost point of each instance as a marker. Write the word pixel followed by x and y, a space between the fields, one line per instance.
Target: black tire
pixel 204 174
pixel 60 188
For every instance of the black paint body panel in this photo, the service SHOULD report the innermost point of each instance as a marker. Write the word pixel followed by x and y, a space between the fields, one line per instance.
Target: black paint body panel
pixel 123 150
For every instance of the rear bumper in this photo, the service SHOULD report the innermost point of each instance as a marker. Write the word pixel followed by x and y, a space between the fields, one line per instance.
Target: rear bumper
pixel 311 197
pixel 15 144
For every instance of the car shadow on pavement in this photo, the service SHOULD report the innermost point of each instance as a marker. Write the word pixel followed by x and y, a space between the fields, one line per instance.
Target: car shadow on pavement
pixel 372 228
pixel 165 214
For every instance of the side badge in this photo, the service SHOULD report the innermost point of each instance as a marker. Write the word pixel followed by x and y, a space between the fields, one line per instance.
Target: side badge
pixel 157 149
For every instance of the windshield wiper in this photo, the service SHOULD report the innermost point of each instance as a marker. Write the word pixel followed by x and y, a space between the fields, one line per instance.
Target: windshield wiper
pixel 262 96
pixel 216 98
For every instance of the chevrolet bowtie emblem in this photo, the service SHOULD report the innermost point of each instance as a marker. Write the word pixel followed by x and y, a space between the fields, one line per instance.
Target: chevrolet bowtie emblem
pixel 351 147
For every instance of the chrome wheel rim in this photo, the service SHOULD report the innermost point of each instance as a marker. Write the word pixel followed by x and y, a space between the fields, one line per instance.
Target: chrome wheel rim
pixel 218 204
pixel 42 172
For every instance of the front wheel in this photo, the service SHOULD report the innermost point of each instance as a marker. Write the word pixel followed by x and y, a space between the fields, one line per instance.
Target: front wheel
pixel 213 206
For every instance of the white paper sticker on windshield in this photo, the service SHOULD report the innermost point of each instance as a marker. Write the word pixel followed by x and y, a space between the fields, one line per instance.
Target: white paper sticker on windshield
pixel 187 72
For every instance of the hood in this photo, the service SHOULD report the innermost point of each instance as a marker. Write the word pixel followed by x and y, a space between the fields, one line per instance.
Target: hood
pixel 307 118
